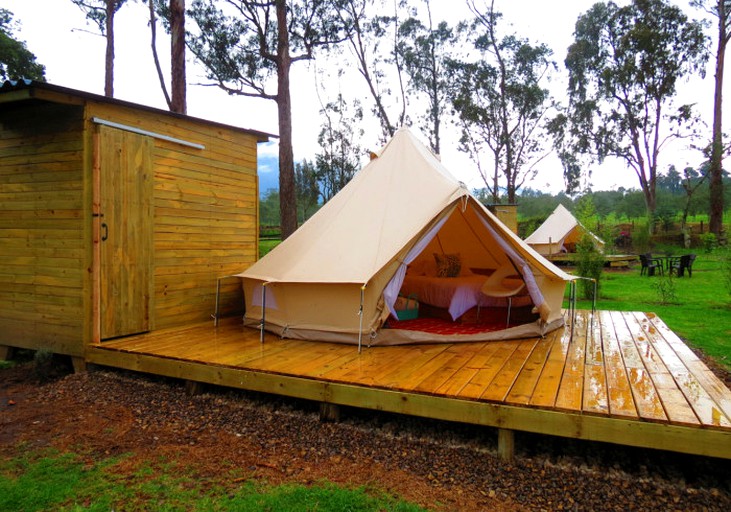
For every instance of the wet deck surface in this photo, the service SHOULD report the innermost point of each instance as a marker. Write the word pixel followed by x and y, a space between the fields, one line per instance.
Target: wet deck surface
pixel 616 365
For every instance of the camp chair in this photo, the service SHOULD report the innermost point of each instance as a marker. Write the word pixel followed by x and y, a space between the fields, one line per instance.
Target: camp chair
pixel 498 286
pixel 680 265
pixel 650 264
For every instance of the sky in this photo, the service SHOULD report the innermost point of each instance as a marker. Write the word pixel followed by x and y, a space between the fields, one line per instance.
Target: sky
pixel 72 50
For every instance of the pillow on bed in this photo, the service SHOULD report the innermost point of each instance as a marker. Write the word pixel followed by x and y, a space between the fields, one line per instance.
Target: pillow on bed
pixel 422 267
pixel 448 265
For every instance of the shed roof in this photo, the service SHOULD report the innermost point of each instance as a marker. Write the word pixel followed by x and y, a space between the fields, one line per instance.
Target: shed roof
pixel 26 90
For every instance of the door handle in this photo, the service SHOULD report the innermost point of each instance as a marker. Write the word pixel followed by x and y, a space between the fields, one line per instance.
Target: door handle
pixel 105 231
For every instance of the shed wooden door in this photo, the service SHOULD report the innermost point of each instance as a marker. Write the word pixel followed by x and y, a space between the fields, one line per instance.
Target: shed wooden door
pixel 126 279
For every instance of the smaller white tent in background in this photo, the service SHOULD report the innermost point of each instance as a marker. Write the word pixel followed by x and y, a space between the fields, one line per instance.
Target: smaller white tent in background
pixel 559 234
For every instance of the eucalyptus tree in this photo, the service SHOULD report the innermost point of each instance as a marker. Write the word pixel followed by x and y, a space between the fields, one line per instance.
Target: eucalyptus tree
pixel 172 13
pixel 372 39
pixel 339 157
pixel 501 102
pixel 425 51
pixel 721 9
pixel 102 12
pixel 624 66
pixel 16 60
pixel 248 45
pixel 691 182
pixel 308 190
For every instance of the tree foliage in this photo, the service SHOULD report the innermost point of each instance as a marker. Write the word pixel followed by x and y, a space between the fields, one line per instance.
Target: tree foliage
pixel 624 67
pixel 248 45
pixel 308 191
pixel 425 51
pixel 16 61
pixel 501 102
pixel 339 156
pixel 373 38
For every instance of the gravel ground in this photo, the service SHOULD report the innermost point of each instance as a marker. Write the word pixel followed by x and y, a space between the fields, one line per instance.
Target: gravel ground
pixel 443 466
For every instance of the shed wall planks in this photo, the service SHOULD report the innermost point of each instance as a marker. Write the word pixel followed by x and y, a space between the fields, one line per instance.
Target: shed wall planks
pixel 204 217
pixel 41 228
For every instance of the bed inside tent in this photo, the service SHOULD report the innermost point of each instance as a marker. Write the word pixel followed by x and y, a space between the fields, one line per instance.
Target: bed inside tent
pixel 450 288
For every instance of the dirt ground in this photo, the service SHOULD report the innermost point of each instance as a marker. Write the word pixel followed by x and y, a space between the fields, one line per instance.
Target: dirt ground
pixel 443 466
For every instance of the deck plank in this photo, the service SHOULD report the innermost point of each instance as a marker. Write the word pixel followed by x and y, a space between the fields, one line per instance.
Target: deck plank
pixel 646 396
pixel 484 376
pixel 462 377
pixel 676 407
pixel 546 389
pixel 621 400
pixel 596 394
pixel 452 361
pixel 571 388
pixel 525 385
pixel 503 382
pixel 706 394
pixel 408 376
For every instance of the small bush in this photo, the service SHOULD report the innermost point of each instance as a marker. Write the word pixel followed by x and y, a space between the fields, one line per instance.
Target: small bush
pixel 664 285
pixel 708 242
pixel 589 263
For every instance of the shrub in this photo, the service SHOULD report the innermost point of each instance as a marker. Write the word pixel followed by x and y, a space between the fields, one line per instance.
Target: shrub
pixel 664 285
pixel 708 242
pixel 589 263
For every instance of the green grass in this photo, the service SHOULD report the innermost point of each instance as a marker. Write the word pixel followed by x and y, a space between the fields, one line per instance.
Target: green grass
pixel 48 480
pixel 700 313
pixel 267 245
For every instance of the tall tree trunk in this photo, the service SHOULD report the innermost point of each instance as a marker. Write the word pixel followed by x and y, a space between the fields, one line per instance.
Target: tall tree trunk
pixel 715 224
pixel 155 58
pixel 287 192
pixel 178 73
pixel 109 56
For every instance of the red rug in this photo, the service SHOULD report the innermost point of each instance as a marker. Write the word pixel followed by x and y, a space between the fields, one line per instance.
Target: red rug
pixel 438 326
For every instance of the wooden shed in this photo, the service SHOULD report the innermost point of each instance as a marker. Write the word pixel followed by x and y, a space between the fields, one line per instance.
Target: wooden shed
pixel 116 218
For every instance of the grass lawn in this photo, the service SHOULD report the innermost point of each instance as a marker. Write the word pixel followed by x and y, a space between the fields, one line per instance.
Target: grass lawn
pixel 699 312
pixel 49 480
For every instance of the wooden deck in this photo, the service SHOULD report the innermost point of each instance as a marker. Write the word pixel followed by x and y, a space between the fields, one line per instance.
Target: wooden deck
pixel 622 378
pixel 612 260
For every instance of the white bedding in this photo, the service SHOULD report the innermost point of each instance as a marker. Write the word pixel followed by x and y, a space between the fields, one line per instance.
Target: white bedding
pixel 455 294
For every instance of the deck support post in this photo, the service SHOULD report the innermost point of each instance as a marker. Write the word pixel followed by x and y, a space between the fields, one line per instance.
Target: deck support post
pixel 193 387
pixel 506 444
pixel 79 364
pixel 6 353
pixel 329 412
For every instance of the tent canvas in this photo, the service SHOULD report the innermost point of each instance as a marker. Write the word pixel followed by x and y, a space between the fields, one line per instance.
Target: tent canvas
pixel 559 234
pixel 338 276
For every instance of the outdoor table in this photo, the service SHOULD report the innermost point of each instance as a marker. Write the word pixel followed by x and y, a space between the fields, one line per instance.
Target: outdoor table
pixel 669 260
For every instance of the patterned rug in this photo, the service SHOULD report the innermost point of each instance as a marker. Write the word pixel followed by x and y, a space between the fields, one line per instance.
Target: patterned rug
pixel 438 326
